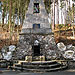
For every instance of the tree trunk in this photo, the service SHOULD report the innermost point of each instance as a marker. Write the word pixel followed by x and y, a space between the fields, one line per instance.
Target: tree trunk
pixel 10 14
pixel 2 15
pixel 10 10
pixel 73 18
pixel 58 11
pixel 53 26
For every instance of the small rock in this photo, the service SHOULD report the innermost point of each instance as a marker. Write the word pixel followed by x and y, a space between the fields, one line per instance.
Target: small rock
pixel 61 46
pixel 69 46
pixel 46 46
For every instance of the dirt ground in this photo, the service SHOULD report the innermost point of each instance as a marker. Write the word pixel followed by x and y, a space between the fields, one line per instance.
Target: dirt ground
pixel 64 36
pixel 60 36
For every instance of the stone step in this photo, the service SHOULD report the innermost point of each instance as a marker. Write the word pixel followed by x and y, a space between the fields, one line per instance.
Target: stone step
pixel 46 70
pixel 39 66
pixel 40 70
pixel 39 63
pixel 15 68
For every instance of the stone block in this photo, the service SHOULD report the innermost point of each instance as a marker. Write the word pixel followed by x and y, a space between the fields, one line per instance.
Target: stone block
pixel 42 58
pixel 36 31
pixel 28 58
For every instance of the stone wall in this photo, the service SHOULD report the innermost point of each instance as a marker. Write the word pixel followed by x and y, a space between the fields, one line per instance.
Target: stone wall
pixel 47 43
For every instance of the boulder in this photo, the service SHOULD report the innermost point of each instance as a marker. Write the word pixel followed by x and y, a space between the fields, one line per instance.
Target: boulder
pixel 12 48
pixel 68 54
pixel 61 46
pixel 7 56
pixel 71 47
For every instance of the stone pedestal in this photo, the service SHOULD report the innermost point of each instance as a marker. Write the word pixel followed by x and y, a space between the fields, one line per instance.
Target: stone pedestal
pixel 47 44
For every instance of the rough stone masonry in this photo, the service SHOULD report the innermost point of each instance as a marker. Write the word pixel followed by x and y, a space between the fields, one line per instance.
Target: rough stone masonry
pixel 36 30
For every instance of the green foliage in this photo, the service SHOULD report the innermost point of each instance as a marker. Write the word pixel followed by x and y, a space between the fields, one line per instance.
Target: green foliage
pixel 73 0
pixel 48 5
pixel 15 8
pixel 70 14
pixel 62 5
pixel 60 26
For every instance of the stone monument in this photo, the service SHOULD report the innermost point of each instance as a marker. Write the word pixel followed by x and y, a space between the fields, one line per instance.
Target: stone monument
pixel 36 37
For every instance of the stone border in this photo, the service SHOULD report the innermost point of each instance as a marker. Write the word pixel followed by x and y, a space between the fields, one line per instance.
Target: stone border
pixel 40 31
